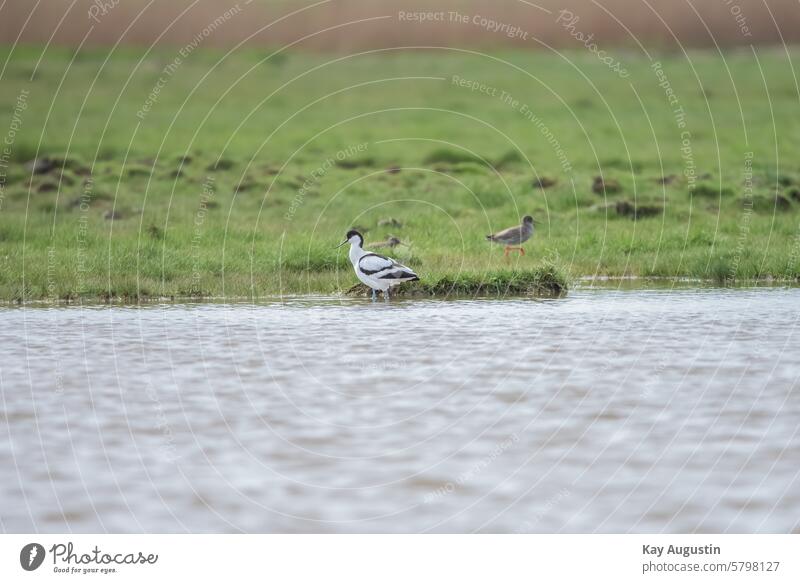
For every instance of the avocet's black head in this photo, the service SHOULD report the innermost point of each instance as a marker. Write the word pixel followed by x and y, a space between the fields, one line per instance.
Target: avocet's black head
pixel 354 238
pixel 528 220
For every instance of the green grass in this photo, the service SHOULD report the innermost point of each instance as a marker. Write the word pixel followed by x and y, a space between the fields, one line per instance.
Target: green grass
pixel 230 184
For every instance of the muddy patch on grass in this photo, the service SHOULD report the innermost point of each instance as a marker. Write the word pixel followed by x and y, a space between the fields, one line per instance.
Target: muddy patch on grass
pixel 544 182
pixel 635 211
pixel 220 165
pixel 602 185
pixel 768 204
pixel 354 163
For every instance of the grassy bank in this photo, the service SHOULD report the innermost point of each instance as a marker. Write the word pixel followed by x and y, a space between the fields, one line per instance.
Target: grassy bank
pixel 541 280
pixel 239 175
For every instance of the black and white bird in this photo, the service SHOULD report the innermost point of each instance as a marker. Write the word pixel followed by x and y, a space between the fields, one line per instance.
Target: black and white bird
pixel 376 271
pixel 514 237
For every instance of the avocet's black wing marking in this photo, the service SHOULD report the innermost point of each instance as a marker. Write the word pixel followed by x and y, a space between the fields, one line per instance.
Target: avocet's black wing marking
pixel 381 267
pixel 400 273
pixel 372 263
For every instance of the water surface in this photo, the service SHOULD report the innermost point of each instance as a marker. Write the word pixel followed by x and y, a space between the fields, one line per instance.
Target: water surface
pixel 605 411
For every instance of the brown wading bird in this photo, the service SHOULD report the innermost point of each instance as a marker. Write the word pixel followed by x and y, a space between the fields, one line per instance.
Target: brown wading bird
pixel 513 237
pixel 391 242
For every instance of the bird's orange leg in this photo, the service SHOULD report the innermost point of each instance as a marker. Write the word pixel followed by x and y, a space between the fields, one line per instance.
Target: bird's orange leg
pixel 505 253
pixel 521 251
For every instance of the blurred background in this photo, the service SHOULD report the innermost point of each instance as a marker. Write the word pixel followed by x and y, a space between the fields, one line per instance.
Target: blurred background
pixel 323 25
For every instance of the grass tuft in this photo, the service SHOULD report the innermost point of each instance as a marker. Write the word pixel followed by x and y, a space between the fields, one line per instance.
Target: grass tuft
pixel 448 156
pixel 545 280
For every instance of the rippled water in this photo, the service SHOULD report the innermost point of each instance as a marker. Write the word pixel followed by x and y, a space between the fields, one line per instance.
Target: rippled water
pixel 645 411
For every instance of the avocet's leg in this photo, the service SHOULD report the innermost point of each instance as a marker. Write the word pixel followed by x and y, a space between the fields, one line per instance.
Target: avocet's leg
pixel 505 253
pixel 374 295
pixel 521 251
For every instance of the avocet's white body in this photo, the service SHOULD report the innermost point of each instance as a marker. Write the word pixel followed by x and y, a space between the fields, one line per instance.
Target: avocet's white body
pixel 376 271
